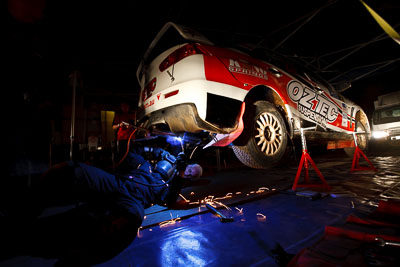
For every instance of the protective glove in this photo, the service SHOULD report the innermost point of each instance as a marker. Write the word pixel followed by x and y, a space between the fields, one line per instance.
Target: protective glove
pixel 160 154
pixel 181 161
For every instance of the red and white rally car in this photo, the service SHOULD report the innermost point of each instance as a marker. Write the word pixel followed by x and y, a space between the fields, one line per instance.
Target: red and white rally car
pixel 253 100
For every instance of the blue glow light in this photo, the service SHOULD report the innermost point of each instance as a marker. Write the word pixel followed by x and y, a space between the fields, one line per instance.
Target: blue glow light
pixel 174 140
pixel 187 248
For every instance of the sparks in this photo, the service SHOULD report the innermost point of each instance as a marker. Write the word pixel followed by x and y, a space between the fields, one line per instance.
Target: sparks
pixel 169 222
pixel 240 210
pixel 139 235
pixel 262 189
pixel 186 200
pixel 223 205
pixel 207 199
pixel 261 217
pixel 229 195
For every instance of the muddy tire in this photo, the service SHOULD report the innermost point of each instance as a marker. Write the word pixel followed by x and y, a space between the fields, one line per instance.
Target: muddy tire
pixel 362 140
pixel 264 141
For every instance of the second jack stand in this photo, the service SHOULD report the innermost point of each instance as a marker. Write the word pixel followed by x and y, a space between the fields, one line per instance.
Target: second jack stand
pixel 355 166
pixel 304 162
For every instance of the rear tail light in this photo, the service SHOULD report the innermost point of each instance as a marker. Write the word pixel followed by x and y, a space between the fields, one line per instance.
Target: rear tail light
pixel 179 54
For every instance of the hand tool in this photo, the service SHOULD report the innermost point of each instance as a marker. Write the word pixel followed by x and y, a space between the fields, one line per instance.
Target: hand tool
pixel 384 243
pixel 223 218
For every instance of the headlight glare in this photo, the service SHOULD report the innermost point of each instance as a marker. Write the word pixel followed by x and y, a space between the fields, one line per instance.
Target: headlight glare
pixel 379 134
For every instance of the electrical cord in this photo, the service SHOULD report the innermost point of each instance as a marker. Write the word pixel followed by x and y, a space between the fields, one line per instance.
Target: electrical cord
pixel 127 148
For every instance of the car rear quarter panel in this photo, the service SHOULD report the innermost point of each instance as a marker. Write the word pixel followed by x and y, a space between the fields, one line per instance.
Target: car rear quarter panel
pixel 242 71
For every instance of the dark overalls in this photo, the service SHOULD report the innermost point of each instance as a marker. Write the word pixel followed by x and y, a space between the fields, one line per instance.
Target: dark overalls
pixel 123 195
pixel 106 220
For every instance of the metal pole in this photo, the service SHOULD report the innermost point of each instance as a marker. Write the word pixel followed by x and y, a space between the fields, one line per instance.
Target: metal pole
pixel 307 20
pixel 72 135
pixel 298 28
pixel 303 140
pixel 353 51
pixel 355 139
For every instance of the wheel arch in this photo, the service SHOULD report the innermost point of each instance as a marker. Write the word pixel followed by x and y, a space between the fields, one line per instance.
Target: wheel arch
pixel 363 118
pixel 263 92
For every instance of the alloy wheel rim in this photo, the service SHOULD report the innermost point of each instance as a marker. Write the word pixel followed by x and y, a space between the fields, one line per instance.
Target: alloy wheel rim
pixel 269 134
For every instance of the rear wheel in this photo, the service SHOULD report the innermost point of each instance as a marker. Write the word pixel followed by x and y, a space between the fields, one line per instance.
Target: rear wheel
pixel 264 141
pixel 362 140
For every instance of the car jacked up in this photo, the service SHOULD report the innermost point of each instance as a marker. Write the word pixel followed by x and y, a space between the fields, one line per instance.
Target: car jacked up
pixel 246 97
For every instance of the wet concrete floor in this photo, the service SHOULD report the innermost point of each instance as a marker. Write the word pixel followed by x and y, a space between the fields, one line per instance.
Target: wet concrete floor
pixel 265 213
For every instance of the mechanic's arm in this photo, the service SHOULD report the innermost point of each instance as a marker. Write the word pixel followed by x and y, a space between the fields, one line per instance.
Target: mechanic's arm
pixel 170 195
pixel 116 126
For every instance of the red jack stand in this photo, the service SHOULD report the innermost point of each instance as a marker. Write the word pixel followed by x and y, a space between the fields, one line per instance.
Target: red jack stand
pixel 305 160
pixel 355 166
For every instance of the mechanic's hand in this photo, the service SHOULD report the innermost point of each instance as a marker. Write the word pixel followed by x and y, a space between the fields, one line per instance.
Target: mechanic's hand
pixel 160 153
pixel 181 161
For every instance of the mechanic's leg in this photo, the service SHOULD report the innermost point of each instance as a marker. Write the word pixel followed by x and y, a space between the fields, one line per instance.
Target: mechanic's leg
pixel 107 237
pixel 55 187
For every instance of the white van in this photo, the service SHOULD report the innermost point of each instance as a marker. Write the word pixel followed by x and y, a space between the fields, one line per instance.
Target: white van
pixel 386 117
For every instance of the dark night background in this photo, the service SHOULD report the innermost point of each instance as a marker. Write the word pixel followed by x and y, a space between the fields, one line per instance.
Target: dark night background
pixel 46 40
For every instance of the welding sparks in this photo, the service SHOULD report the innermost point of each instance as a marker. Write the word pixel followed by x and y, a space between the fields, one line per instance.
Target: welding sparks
pixel 229 195
pixel 352 204
pixel 221 204
pixel 139 234
pixel 261 217
pixel 240 210
pixel 209 199
pixel 169 222
pixel 186 200
pixel 262 190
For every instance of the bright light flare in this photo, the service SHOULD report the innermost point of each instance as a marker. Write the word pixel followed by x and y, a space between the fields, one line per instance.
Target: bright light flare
pixel 379 134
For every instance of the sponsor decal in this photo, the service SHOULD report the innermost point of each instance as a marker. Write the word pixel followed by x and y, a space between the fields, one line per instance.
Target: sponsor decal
pixel 247 69
pixel 311 105
pixel 148 90
pixel 148 104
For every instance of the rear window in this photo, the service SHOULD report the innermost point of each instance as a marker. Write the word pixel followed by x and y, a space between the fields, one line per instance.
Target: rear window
pixel 170 39
pixel 386 115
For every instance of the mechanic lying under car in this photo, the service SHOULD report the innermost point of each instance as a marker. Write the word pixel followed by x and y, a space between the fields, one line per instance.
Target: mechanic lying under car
pixel 119 198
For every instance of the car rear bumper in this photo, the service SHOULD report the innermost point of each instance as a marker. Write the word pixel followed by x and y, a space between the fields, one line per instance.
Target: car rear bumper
pixel 184 118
